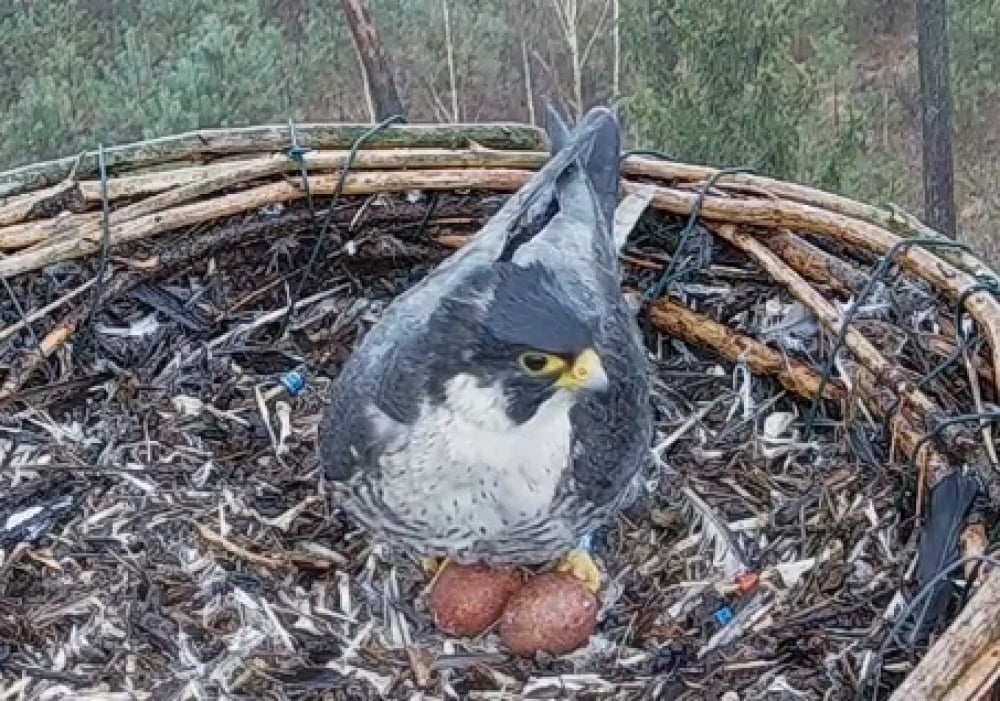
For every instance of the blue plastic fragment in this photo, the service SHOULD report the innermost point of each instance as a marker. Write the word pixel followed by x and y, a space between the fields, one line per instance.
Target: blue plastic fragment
pixel 293 382
pixel 724 615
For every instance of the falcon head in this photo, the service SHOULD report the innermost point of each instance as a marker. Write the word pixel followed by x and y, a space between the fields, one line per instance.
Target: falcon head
pixel 519 335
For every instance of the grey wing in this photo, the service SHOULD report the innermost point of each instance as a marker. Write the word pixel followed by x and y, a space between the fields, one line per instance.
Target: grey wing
pixel 374 401
pixel 612 433
pixel 386 367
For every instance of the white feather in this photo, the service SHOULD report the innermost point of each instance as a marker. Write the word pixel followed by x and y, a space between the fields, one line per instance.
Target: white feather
pixel 465 462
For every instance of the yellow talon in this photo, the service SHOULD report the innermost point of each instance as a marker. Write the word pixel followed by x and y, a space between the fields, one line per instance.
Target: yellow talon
pixel 432 565
pixel 579 564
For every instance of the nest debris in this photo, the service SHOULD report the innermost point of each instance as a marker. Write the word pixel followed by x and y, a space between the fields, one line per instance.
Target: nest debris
pixel 164 533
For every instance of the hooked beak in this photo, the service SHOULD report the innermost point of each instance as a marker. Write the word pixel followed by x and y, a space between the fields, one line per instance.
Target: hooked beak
pixel 586 372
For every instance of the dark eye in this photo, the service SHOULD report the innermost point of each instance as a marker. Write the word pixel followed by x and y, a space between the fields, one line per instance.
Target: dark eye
pixel 541 363
pixel 534 362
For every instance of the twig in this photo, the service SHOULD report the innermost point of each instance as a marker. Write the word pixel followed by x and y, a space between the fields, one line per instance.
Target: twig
pixel 271 561
pixel 52 342
pixel 677 320
pixel 888 375
pixel 34 316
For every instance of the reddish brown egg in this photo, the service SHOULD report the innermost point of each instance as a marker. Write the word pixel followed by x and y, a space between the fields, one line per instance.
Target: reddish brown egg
pixel 553 613
pixel 468 599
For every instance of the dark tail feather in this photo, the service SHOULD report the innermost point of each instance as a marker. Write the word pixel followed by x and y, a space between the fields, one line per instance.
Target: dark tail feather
pixel 601 156
pixel 950 502
pixel 533 205
pixel 603 165
pixel 557 130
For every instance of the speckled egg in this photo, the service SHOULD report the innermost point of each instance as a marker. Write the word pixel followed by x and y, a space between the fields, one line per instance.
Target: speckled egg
pixel 467 599
pixel 553 613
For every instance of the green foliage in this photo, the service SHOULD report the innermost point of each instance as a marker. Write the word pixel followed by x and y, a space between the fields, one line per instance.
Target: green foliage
pixel 815 91
pixel 42 79
pixel 975 52
pixel 730 89
pixel 216 72
pixel 74 77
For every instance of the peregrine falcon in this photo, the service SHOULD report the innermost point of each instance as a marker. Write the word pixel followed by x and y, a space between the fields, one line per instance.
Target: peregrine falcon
pixel 498 411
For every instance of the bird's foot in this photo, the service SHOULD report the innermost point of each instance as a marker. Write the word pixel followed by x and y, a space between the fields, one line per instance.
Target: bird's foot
pixel 579 564
pixel 433 565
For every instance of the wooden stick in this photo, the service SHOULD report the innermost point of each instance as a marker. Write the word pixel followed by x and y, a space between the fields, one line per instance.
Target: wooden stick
pixel 211 143
pixel 34 316
pixel 22 236
pixel 364 183
pixel 270 560
pixel 218 176
pixel 53 341
pixel 677 320
pixel 816 264
pixel 886 373
pixel 965 661
pixel 903 422
pixel 200 181
pixel 891 218
pixel 48 201
pixel 943 276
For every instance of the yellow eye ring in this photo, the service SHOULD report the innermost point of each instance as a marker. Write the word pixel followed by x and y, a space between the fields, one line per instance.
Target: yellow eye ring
pixel 536 364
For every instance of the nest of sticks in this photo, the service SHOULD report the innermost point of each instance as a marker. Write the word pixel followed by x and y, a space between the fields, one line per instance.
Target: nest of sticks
pixel 825 374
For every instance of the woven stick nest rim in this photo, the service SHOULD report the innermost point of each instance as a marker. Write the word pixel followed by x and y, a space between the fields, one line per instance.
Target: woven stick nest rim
pixel 51 212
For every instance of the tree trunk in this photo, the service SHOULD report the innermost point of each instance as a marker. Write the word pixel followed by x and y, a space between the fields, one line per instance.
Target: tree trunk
pixel 616 70
pixel 935 101
pixel 452 80
pixel 374 59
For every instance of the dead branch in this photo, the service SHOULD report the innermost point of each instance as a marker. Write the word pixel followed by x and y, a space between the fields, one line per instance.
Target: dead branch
pixel 677 320
pixel 219 176
pixel 209 210
pixel 943 276
pixel 886 373
pixel 207 144
pixel 374 59
pixel 964 663
pixel 890 218
pixel 816 264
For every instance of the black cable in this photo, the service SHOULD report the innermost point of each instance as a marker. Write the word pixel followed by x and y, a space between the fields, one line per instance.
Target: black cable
pixel 877 276
pixel 924 592
pixel 962 344
pixel 102 264
pixel 328 221
pixel 945 423
pixel 659 155
pixel 893 636
pixel 671 273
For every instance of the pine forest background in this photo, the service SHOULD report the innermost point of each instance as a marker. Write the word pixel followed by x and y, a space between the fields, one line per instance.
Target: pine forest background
pixel 822 92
